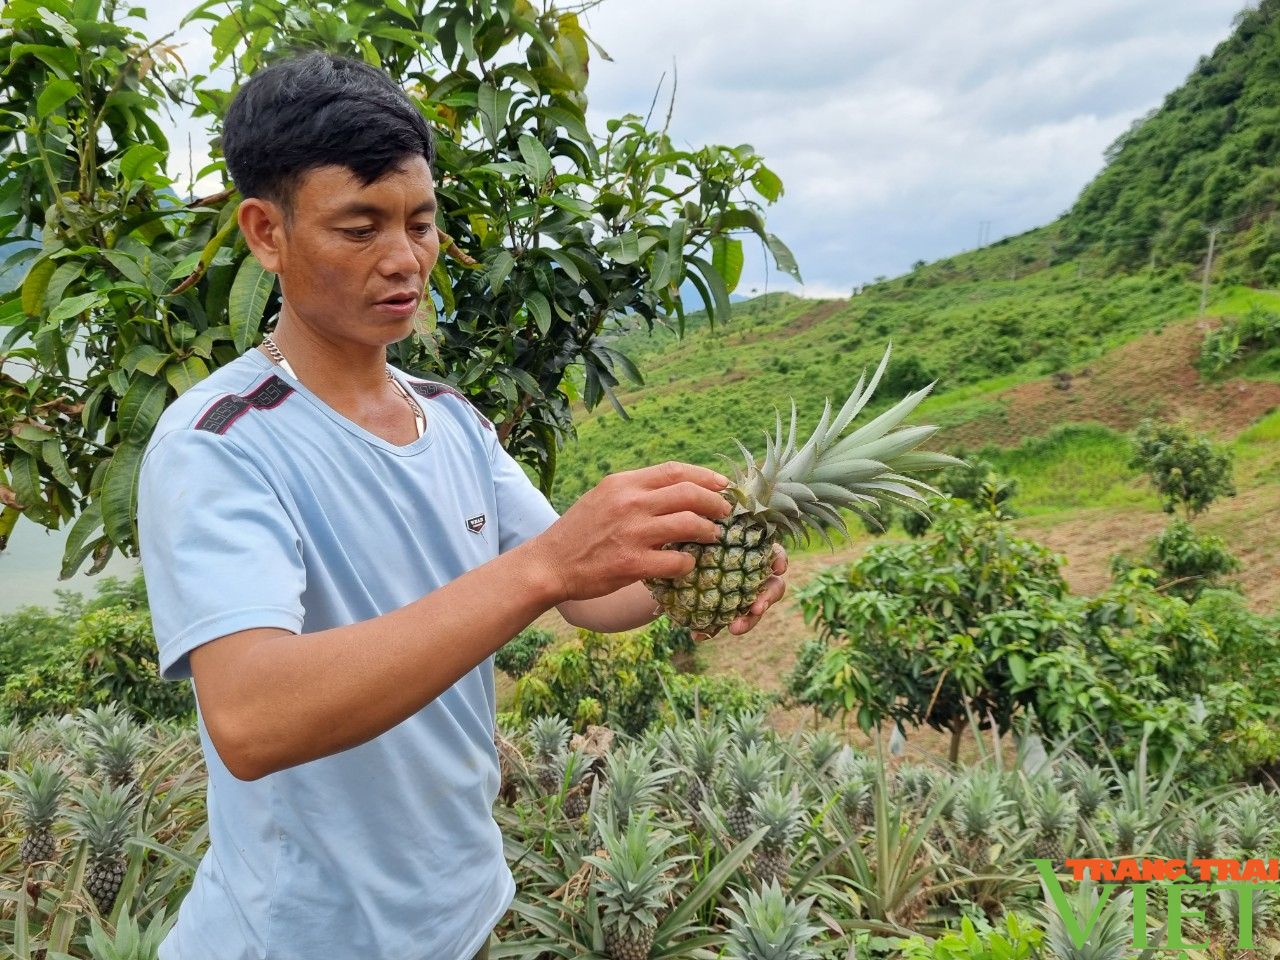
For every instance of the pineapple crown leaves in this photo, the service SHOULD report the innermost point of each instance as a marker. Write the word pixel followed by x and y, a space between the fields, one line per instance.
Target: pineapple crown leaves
pixel 103 817
pixel 633 783
pixel 38 791
pixel 131 941
pixel 701 747
pixel 636 875
pixel 769 925
pixel 801 490
pixel 549 737
pixel 749 772
pixel 783 813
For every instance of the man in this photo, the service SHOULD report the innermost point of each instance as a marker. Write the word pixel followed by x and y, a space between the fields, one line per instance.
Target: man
pixel 335 550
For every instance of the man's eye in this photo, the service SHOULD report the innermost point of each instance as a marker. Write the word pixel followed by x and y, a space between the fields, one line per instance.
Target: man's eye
pixel 359 233
pixel 424 229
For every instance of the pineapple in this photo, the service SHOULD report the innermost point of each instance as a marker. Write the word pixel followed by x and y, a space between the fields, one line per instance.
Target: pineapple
pixel 1128 824
pixel 701 747
pixel 549 736
pixel 783 814
pixel 1111 932
pixel 1093 789
pixel 1250 819
pixel 38 791
pixel 749 771
pixel 770 926
pixel 104 820
pixel 796 492
pixel 633 783
pixel 1054 814
pixel 636 878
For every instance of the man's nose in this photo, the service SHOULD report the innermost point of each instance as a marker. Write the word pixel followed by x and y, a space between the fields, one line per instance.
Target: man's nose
pixel 399 256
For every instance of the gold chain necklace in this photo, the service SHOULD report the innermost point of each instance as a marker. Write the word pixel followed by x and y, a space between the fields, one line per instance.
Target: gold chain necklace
pixel 419 420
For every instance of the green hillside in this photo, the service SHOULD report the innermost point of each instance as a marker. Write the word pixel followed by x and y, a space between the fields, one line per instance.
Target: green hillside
pixel 1209 156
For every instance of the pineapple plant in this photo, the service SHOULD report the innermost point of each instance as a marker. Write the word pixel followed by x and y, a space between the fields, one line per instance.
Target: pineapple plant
pixel 104 820
pixel 796 491
pixel 1250 819
pixel 746 729
pixel 1093 789
pixel 1053 815
pixel 549 737
pixel 749 771
pixel 37 791
pixel 1127 824
pixel 822 748
pixel 981 815
pixel 783 814
pixel 117 749
pixel 10 741
pixel 635 879
pixel 768 925
pixel 579 770
pixel 701 748
pixel 1111 932
pixel 858 783
pixel 633 783
pixel 1205 835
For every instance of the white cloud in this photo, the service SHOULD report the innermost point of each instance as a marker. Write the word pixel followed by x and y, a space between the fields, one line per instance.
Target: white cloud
pixel 897 127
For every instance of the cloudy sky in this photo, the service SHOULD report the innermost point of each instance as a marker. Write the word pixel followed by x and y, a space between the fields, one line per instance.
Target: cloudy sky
pixel 898 127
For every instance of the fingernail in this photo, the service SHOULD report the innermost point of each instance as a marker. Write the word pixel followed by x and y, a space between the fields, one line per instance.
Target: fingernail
pixel 722 479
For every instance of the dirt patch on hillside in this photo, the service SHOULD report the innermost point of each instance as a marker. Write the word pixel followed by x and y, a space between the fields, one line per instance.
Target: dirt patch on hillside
pixel 1151 376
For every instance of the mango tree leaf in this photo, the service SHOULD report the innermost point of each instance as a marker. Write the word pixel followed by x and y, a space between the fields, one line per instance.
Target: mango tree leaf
pixel 250 293
pixel 767 184
pixel 141 407
pixel 500 269
pixel 541 310
pixel 55 95
pixel 715 283
pixel 77 305
pixel 444 286
pixel 140 160
pixel 493 104
pixel 726 257
pixel 119 497
pixel 185 375
pixel 536 156
pixel 35 284
pixel 783 257
pixel 80 542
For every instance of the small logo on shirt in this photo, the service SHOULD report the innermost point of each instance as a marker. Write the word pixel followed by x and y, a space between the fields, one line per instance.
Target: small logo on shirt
pixel 476 523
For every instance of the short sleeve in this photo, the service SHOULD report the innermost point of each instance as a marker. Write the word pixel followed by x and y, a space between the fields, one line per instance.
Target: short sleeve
pixel 219 552
pixel 523 512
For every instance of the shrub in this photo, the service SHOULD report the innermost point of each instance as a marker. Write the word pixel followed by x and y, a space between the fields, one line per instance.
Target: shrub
pixel 1191 562
pixel 1188 471
pixel 518 655
pixel 111 657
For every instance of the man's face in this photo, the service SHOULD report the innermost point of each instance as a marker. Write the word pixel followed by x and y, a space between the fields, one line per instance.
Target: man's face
pixel 354 260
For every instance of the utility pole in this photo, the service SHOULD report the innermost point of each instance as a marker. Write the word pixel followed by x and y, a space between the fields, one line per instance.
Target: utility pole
pixel 1208 266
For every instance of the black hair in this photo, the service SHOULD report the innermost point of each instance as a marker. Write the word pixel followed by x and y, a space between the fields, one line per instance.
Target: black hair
pixel 314 111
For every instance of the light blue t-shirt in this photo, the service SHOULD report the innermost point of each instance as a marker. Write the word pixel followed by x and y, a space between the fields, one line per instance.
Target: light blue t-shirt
pixel 259 506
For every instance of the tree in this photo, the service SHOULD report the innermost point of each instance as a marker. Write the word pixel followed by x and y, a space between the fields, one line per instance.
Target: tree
pixel 128 295
pixel 935 632
pixel 1187 471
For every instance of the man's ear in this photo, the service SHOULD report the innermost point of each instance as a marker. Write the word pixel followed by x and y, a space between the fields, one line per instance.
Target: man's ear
pixel 263 226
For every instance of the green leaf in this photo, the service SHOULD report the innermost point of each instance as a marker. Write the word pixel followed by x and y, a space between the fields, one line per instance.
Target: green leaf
pixel 128 266
pixel 566 263
pixel 119 496
pixel 55 95
pixel 716 284
pixel 541 310
pixel 742 218
pixel 508 168
pixel 1018 667
pixel 67 273
pixel 51 454
pixel 185 375
pixel 444 286
pixel 140 161
pixel 726 257
pixel 536 156
pixel 493 104
pixel 35 284
pixel 783 257
pixel 767 184
pixel 500 269
pixel 250 293
pixel 141 407
pixel 77 305
pixel 80 541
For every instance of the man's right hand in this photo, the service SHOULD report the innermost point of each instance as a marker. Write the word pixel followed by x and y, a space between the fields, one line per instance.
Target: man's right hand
pixel 614 535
